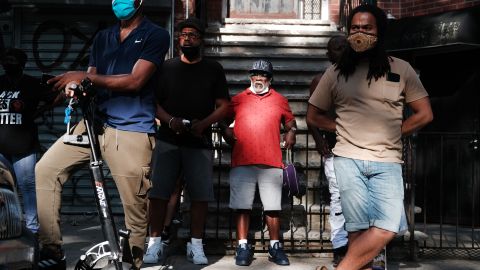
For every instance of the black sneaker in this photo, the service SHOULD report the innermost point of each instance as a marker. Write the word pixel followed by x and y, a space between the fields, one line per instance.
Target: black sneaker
pixel 244 255
pixel 52 257
pixel 338 254
pixel 277 255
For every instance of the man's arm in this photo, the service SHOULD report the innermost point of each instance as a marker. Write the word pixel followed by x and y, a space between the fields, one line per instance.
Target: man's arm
pixel 221 110
pixel 318 118
pixel 289 137
pixel 422 115
pixel 320 142
pixel 174 123
pixel 133 82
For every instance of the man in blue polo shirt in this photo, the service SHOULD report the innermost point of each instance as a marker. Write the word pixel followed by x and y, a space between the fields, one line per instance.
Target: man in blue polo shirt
pixel 123 67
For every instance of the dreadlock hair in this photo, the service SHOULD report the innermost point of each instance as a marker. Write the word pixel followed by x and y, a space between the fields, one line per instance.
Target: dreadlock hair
pixel 379 61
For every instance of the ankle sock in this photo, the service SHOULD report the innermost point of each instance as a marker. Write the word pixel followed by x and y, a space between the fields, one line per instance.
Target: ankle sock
pixel 242 241
pixel 154 240
pixel 272 242
pixel 197 241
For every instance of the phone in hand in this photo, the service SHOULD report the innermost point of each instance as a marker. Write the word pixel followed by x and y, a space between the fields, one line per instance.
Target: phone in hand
pixel 45 78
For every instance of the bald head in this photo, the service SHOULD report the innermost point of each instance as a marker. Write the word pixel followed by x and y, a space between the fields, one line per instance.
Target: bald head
pixel 335 47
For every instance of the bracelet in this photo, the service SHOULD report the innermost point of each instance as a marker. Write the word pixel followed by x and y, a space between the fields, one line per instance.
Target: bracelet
pixel 170 122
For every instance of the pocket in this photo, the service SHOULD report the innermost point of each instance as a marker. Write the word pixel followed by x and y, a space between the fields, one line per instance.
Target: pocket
pixel 391 91
pixel 146 183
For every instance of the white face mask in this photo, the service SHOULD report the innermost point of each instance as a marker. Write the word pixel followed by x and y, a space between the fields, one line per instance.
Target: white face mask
pixel 258 87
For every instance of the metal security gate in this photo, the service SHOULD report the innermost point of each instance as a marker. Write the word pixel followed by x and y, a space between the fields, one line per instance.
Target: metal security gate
pixel 448 192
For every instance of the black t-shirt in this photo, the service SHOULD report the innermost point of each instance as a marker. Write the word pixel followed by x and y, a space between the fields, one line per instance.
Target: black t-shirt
pixel 18 104
pixel 189 91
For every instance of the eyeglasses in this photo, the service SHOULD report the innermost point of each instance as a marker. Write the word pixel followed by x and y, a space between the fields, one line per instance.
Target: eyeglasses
pixel 190 35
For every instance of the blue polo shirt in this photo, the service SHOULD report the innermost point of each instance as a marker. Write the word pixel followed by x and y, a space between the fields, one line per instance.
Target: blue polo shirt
pixel 129 111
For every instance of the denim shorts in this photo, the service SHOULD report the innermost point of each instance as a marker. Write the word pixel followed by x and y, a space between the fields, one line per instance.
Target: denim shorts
pixel 243 184
pixel 371 193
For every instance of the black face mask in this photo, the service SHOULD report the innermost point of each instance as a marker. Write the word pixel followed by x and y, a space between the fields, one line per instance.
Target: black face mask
pixel 191 52
pixel 12 69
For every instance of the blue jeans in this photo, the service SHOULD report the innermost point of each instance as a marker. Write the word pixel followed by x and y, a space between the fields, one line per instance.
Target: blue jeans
pixel 24 167
pixel 371 192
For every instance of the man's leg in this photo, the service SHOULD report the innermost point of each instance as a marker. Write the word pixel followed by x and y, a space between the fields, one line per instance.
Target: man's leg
pixel 128 155
pixel 157 212
pixel 383 211
pixel 51 172
pixel 270 184
pixel 199 210
pixel 363 247
pixel 272 219
pixel 243 183
pixel 338 235
pixel 172 209
pixel 243 223
pixel 165 172
pixel 197 168
pixel 24 166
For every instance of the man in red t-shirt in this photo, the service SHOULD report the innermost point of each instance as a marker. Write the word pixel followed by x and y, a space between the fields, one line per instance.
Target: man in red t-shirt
pixel 257 158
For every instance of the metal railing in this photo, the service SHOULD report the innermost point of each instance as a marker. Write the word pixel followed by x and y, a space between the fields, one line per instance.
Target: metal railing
pixel 447 183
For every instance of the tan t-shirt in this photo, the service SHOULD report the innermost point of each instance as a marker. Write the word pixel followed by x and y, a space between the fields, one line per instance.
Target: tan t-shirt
pixel 369 118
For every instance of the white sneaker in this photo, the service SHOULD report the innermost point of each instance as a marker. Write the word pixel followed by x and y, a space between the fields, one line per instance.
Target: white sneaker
pixel 196 254
pixel 153 253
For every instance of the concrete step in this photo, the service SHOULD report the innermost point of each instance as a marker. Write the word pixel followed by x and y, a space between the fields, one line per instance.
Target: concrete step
pixel 270 30
pixel 294 24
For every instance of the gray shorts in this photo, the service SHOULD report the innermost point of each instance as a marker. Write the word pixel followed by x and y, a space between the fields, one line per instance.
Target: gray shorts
pixel 243 183
pixel 169 160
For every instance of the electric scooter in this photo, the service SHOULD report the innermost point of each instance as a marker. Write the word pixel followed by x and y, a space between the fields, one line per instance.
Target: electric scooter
pixel 112 253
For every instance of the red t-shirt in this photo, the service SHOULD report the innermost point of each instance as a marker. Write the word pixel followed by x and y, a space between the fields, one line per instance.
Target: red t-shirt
pixel 257 128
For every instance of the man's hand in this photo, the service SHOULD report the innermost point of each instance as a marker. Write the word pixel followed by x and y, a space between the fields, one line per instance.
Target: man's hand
pixel 198 127
pixel 70 89
pixel 289 139
pixel 322 147
pixel 60 82
pixel 229 136
pixel 176 124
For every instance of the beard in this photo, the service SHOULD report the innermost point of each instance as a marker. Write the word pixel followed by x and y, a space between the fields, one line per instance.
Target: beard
pixel 191 52
pixel 258 87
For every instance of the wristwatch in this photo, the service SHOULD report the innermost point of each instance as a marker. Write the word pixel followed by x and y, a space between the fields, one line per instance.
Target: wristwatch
pixel 293 129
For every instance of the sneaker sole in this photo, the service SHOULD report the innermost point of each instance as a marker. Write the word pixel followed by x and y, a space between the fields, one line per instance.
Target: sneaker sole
pixel 283 264
pixel 51 264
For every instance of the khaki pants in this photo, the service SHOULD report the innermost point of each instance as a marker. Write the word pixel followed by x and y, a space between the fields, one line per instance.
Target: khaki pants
pixel 127 155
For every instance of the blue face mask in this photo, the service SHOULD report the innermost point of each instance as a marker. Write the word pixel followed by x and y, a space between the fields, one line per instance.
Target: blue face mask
pixel 124 9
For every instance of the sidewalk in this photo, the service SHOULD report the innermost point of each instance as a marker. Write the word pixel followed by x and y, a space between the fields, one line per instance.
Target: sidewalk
pixel 82 232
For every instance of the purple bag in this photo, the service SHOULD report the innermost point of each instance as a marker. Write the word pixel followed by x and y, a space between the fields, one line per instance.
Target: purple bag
pixel 291 181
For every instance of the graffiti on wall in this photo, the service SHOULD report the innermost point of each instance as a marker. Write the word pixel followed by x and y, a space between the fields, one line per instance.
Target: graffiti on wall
pixel 67 33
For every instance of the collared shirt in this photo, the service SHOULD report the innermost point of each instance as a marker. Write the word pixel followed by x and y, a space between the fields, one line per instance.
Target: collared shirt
pixel 257 128
pixel 133 111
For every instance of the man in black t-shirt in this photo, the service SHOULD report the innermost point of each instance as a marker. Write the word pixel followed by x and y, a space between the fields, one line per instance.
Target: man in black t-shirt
pixel 192 95
pixel 20 98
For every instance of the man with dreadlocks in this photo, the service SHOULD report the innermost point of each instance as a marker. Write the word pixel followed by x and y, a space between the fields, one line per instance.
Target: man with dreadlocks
pixel 368 90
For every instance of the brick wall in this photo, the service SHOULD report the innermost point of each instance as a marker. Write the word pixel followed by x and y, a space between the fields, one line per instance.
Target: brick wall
pixel 398 8
pixel 408 8
pixel 411 8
